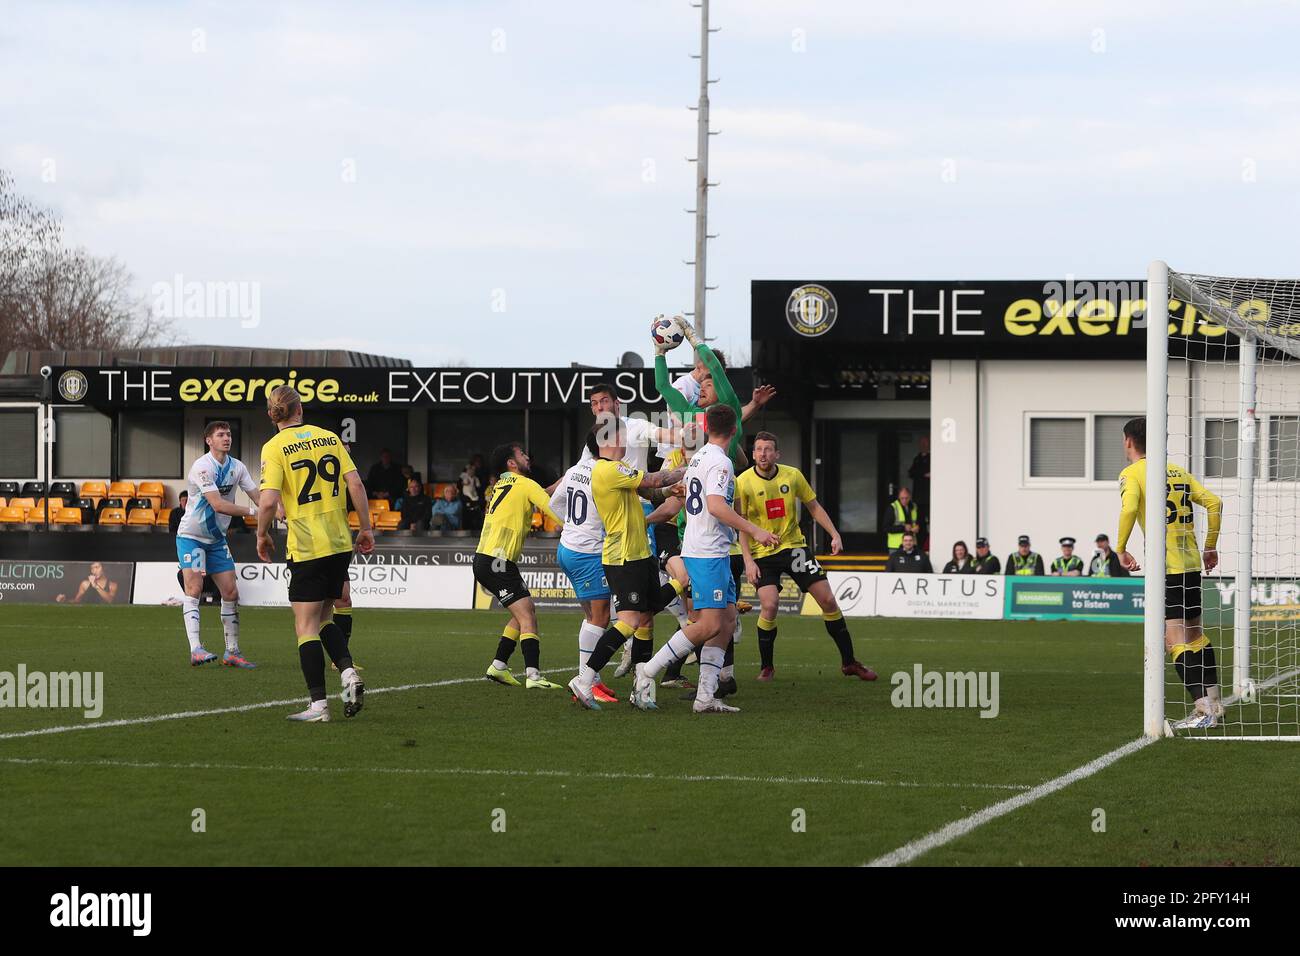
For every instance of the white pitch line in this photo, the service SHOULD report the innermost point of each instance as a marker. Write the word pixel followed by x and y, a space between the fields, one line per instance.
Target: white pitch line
pixel 959 828
pixel 242 708
pixel 494 772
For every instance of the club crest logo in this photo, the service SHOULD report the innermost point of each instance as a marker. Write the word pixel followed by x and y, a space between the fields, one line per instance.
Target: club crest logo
pixel 811 310
pixel 73 386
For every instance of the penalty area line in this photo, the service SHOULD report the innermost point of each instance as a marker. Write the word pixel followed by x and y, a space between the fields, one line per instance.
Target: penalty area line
pixel 959 828
pixel 497 772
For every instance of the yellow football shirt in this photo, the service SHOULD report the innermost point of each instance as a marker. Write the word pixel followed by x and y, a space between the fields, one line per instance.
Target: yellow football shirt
pixel 770 504
pixel 1182 491
pixel 613 489
pixel 307 464
pixel 509 515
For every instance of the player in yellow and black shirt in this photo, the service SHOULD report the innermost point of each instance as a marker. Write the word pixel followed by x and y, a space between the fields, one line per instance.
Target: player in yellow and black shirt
pixel 507 516
pixel 308 469
pixel 1193 654
pixel 631 568
pixel 769 495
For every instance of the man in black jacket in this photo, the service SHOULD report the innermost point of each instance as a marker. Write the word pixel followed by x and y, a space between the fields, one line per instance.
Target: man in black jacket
pixel 1105 563
pixel 909 559
pixel 417 509
pixel 174 519
pixel 384 479
pixel 986 562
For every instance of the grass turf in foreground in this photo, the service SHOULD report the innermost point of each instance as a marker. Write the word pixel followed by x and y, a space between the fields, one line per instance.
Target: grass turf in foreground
pixel 422 774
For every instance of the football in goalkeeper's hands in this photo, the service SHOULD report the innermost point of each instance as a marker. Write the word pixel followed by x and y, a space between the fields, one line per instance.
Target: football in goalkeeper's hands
pixel 665 333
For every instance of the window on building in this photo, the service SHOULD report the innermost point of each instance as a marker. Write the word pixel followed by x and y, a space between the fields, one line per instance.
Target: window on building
pixel 1221 448
pixel 18 443
pixel 1284 448
pixel 1108 458
pixel 83 443
pixel 1058 448
pixel 150 444
pixel 546 445
pixel 454 436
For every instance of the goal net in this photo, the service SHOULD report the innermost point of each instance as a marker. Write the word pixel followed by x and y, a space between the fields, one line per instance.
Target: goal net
pixel 1223 402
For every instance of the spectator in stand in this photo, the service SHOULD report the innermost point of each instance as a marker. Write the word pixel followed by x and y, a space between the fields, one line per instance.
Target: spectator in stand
pixel 416 508
pixel 174 519
pixel 447 510
pixel 385 478
pixel 920 475
pixel 961 562
pixel 408 473
pixel 904 516
pixel 1068 564
pixel 1105 563
pixel 1024 561
pixel 909 559
pixel 986 562
pixel 471 486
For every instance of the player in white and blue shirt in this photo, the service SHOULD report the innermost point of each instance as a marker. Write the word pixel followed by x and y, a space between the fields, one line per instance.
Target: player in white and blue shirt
pixel 711 526
pixel 581 542
pixel 201 546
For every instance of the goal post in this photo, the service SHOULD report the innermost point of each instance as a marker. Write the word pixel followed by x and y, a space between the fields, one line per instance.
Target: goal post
pixel 1223 402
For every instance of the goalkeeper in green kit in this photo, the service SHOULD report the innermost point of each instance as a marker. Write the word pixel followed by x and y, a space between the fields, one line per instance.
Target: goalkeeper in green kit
pixel 714 387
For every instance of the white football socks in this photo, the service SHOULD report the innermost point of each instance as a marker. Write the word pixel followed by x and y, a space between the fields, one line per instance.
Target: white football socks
pixel 589 636
pixel 190 610
pixel 710 664
pixel 676 649
pixel 230 625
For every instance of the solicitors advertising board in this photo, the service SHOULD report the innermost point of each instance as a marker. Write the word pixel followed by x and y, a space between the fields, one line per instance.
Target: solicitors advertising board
pixel 66 582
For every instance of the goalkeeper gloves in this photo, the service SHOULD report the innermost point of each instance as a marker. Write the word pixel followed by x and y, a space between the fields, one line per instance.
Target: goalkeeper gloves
pixel 688 330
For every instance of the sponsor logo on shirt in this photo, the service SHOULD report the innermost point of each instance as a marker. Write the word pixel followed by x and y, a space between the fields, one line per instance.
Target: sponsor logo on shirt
pixel 775 507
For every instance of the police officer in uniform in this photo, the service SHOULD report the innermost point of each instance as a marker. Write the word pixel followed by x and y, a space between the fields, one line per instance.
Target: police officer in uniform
pixel 909 559
pixel 985 561
pixel 1023 561
pixel 1068 564
pixel 904 516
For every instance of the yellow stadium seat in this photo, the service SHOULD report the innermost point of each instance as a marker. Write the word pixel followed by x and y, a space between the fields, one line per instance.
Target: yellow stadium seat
pixel 537 520
pixel 12 515
pixel 54 503
pixel 353 521
pixel 378 504
pixel 3 503
pixel 94 489
pixel 153 489
pixel 68 516
pixel 164 517
pixel 549 525
pixel 389 521
pixel 141 516
pixel 22 504
pixel 122 489
pixel 112 516
pixel 250 521
pixel 437 489
pixel 428 488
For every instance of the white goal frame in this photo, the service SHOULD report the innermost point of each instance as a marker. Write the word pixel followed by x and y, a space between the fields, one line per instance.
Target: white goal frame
pixel 1157 428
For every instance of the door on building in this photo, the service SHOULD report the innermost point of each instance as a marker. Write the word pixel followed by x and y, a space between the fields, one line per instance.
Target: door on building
pixel 862 465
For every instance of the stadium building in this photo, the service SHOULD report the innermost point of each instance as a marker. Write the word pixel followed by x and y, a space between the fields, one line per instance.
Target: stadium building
pixel 1022 388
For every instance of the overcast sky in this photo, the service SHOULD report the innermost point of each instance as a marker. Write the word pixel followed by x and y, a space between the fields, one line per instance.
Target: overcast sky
pixel 503 183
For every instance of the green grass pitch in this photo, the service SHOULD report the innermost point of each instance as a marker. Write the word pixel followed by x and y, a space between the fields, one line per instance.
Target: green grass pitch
pixel 421 775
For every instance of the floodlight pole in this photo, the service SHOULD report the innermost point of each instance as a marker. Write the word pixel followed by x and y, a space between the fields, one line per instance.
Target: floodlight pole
pixel 702 184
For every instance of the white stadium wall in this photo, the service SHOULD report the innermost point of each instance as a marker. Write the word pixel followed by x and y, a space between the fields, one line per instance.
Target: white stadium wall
pixel 996 400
